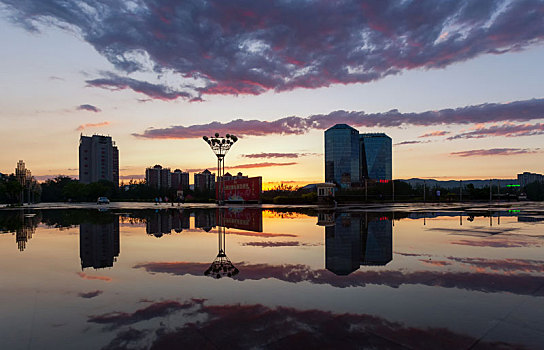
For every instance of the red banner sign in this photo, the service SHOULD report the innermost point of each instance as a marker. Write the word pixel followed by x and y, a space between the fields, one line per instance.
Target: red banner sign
pixel 241 190
pixel 248 219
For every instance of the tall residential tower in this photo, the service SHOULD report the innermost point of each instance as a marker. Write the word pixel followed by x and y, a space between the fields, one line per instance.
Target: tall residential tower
pixel 98 159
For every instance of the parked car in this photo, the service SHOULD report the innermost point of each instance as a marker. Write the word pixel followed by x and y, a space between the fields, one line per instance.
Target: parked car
pixel 102 200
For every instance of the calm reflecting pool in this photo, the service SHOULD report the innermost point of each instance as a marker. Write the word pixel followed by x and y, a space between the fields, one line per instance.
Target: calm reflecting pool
pixel 252 278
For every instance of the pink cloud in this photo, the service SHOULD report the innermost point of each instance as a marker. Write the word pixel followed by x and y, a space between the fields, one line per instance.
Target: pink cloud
pixel 494 152
pixel 92 125
pixel 506 129
pixel 434 134
pixel 484 113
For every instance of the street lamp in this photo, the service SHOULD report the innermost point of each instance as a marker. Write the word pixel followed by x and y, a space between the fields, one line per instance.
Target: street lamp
pixel 220 146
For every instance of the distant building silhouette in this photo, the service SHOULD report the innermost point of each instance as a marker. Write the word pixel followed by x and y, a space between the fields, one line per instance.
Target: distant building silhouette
pixel 229 177
pixel 99 244
pixel 350 157
pixel 204 181
pixel 98 159
pixel 179 180
pixel 158 177
pixel 527 178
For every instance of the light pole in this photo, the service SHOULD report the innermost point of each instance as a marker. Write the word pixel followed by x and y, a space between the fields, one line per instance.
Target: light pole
pixel 220 146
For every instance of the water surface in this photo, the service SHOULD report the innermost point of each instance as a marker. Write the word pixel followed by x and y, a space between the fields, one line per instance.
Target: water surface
pixel 251 278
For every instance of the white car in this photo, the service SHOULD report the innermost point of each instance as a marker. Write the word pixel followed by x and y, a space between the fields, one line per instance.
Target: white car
pixel 102 200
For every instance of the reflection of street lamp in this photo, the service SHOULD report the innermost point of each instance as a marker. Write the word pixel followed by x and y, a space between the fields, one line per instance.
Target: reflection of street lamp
pixel 220 146
pixel 221 266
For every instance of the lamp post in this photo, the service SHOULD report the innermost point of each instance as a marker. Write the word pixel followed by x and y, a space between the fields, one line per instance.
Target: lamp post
pixel 220 146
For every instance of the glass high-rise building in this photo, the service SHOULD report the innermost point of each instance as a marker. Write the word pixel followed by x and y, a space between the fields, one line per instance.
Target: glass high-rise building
pixel 351 157
pixel 376 156
pixel 342 155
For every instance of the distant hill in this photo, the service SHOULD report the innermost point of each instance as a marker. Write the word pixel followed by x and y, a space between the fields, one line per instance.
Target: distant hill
pixel 430 183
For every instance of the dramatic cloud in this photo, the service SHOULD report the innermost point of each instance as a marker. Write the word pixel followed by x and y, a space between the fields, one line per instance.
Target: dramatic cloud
pixel 262 327
pixel 155 91
pixel 90 295
pixel 506 129
pixel 195 48
pixel 494 152
pixel 484 113
pixel 91 125
pixel 522 284
pixel 434 134
pixel 90 277
pixel 89 108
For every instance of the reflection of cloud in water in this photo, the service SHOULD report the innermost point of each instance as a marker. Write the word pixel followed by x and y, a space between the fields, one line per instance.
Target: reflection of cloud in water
pixel 522 284
pixel 499 242
pixel 90 277
pixel 476 232
pixel 160 309
pixel 261 234
pixel 435 262
pixel 90 295
pixel 504 264
pixel 278 244
pixel 259 326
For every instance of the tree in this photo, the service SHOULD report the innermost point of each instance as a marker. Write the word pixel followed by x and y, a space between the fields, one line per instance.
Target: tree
pixel 10 189
pixel 535 191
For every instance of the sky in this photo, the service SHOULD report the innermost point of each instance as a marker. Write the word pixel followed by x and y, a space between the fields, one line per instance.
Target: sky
pixel 458 84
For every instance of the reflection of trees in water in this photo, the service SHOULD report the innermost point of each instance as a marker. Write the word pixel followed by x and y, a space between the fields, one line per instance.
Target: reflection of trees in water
pixel 22 224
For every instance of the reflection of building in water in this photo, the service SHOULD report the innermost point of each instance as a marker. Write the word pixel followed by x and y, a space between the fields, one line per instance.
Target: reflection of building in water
pixel 164 221
pixel 99 244
pixel 205 219
pixel 180 221
pixel 159 223
pixel 21 225
pixel 352 239
pixel 343 244
pixel 29 222
pixel 377 242
pixel 248 219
